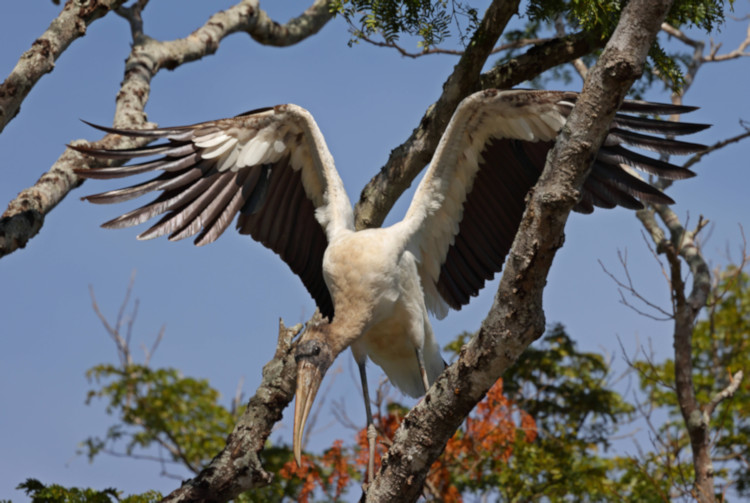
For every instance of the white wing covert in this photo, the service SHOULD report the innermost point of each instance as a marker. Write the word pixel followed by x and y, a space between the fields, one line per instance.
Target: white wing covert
pixel 271 166
pixel 467 209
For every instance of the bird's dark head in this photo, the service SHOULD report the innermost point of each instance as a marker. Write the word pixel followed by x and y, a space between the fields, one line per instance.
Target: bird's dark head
pixel 314 356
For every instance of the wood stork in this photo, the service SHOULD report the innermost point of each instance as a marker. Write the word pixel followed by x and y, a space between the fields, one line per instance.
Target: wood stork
pixel 376 286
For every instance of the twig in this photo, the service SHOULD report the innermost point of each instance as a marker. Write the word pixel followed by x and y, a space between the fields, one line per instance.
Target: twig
pixel 517 44
pixel 148 353
pixel 629 287
pixel 696 158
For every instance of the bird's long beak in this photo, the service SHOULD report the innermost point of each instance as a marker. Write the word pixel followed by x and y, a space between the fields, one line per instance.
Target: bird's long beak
pixel 309 377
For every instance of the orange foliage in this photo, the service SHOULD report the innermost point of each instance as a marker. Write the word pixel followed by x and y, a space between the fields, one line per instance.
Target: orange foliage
pixel 307 472
pixel 484 443
pixel 338 463
pixel 334 462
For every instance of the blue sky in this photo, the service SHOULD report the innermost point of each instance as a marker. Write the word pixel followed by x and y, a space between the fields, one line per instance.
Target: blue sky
pixel 221 303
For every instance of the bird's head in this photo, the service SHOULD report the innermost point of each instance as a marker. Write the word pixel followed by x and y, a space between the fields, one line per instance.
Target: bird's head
pixel 314 356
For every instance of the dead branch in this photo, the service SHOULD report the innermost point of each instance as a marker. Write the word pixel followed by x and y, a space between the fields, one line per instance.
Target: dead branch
pixel 696 158
pixel 628 286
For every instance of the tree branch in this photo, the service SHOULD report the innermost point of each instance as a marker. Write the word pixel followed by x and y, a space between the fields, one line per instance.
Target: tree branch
pixel 25 215
pixel 682 244
pixel 678 243
pixel 69 25
pixel 517 318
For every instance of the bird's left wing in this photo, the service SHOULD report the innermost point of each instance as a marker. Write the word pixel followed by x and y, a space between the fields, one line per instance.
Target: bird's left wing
pixel 270 166
pixel 467 209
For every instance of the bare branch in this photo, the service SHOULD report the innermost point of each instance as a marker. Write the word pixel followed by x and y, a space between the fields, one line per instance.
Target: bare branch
pixel 69 25
pixel 679 35
pixel 629 286
pixel 148 353
pixel 517 44
pixel 682 245
pixel 133 15
pixel 237 400
pixel 25 215
pixel 739 52
pixel 718 146
pixel 115 332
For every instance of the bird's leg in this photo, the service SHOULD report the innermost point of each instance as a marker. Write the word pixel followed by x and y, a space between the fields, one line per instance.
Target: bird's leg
pixel 422 371
pixel 371 433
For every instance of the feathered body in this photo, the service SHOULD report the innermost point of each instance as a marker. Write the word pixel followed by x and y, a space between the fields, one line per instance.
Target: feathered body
pixel 372 273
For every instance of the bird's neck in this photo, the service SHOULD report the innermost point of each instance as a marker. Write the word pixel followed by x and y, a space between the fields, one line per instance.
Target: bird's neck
pixel 346 328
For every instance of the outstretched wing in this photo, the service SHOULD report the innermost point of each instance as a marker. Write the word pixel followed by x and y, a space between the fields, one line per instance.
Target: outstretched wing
pixel 270 166
pixel 468 207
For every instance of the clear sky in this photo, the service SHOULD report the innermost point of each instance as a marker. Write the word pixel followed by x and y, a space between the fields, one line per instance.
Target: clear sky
pixel 221 303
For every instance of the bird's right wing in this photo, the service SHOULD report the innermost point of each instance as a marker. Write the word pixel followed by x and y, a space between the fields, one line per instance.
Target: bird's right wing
pixel 270 166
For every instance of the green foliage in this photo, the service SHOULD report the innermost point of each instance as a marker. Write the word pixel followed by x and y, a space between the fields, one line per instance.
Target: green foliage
pixel 567 393
pixel 599 19
pixel 721 345
pixel 182 415
pixel 39 493
pixel 427 20
pixel 432 22
pixel 565 390
pixel 159 406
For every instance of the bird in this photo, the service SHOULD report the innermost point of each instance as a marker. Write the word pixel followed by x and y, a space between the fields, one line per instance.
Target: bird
pixel 376 287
